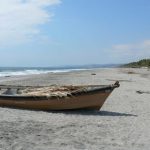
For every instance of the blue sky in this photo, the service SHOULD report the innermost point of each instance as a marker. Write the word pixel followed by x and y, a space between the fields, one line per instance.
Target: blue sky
pixel 73 32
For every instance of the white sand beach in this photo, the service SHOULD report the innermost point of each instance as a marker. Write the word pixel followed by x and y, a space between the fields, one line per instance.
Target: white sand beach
pixel 122 124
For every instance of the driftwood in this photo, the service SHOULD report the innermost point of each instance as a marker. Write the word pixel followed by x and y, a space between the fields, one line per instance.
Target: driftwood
pixel 143 92
pixel 37 91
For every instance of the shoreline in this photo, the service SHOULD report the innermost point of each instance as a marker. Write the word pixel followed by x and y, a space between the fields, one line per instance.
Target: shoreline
pixel 82 77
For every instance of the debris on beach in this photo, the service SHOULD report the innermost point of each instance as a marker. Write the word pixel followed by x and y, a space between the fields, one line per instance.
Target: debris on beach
pixel 93 74
pixel 143 92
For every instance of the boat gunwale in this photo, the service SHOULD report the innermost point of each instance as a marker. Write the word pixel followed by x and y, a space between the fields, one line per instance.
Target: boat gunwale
pixel 74 93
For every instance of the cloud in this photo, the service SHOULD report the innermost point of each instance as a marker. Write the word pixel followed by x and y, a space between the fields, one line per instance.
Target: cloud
pixel 20 19
pixel 127 52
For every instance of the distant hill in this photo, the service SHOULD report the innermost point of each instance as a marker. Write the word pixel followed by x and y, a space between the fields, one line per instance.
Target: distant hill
pixel 139 64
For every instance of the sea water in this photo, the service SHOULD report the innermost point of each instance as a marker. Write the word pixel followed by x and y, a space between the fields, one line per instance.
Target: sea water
pixel 13 71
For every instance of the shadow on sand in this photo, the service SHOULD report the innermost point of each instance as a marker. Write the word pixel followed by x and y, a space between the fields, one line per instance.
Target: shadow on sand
pixel 85 112
pixel 94 113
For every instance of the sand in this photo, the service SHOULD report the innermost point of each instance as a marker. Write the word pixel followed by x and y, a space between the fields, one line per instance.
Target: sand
pixel 123 122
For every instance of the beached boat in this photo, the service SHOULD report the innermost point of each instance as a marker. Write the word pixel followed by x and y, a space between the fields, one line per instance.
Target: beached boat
pixel 55 97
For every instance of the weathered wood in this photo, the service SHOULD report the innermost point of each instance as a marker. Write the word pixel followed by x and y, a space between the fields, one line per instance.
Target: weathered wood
pixel 89 97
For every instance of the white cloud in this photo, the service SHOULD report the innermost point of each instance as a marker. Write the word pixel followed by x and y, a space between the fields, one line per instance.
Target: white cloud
pixel 127 52
pixel 19 19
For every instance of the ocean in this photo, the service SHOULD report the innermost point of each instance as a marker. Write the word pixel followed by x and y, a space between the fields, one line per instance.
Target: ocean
pixel 13 71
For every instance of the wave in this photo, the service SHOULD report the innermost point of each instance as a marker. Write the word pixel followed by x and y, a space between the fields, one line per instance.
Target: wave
pixel 18 72
pixel 14 71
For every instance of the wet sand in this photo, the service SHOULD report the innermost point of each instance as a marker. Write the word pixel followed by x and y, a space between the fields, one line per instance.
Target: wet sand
pixel 122 123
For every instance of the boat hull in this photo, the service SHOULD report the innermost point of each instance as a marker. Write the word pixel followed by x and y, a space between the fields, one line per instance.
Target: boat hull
pixel 89 101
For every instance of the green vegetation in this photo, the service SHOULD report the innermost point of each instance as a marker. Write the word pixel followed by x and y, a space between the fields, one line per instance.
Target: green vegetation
pixel 138 64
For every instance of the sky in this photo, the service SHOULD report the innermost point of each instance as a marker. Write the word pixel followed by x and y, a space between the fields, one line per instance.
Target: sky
pixel 43 33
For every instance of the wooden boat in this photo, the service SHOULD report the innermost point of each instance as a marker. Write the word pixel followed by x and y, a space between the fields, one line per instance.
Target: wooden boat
pixel 55 97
